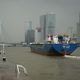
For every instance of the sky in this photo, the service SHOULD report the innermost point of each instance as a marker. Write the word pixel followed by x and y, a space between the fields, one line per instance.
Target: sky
pixel 15 15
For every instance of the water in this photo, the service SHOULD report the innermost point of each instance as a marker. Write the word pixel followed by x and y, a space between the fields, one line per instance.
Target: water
pixel 44 67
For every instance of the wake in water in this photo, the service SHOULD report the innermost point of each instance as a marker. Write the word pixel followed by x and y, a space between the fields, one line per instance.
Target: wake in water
pixel 74 57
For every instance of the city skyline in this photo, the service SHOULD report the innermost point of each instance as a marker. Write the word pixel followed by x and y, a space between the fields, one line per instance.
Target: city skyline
pixel 14 15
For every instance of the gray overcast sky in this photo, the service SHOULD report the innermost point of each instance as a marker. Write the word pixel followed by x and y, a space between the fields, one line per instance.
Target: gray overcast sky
pixel 14 14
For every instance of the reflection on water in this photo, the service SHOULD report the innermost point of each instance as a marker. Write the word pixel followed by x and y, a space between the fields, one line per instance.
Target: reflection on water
pixel 44 67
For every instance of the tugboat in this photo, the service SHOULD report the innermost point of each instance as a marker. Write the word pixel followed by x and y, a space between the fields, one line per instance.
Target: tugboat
pixel 55 46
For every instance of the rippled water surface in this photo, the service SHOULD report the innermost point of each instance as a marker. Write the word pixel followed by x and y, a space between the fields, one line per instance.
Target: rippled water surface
pixel 41 67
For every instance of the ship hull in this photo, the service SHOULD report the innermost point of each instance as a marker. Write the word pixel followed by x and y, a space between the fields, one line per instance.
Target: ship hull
pixel 53 49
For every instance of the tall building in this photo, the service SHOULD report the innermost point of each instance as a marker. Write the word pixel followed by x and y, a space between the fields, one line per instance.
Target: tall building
pixel 29 34
pixel 78 27
pixel 47 24
pixel 38 35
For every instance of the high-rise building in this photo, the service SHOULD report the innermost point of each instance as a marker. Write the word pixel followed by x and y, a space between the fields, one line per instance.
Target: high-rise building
pixel 29 34
pixel 47 24
pixel 78 27
pixel 38 35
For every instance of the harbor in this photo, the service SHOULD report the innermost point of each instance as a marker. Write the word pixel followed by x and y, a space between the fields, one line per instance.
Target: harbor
pixel 41 67
pixel 39 39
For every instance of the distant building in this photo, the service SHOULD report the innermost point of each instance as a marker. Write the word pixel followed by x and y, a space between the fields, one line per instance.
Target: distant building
pixel 38 34
pixel 29 34
pixel 78 27
pixel 47 24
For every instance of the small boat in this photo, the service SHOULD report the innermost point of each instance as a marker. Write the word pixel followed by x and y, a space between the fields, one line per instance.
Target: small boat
pixel 57 49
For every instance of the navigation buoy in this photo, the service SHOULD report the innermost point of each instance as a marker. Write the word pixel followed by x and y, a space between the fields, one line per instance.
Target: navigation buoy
pixel 4 59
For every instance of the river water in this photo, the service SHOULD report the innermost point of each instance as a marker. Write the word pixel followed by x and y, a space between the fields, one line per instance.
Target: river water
pixel 41 67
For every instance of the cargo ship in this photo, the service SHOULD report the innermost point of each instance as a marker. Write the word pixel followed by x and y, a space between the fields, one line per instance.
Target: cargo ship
pixel 56 48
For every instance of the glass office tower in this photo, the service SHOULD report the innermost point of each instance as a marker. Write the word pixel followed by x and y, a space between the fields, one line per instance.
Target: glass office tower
pixel 47 24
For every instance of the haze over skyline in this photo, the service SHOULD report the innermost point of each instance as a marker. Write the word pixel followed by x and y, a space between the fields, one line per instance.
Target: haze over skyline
pixel 15 14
